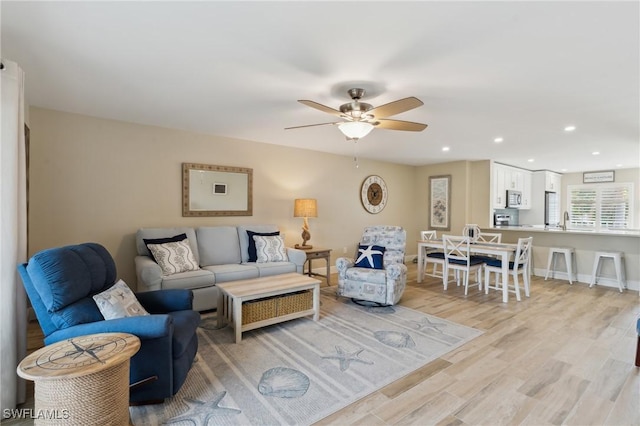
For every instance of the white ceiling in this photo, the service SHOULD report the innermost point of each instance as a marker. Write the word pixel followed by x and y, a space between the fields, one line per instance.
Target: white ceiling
pixel 519 70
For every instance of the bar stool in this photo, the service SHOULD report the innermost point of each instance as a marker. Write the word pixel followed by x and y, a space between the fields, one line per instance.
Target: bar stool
pixel 618 262
pixel 569 259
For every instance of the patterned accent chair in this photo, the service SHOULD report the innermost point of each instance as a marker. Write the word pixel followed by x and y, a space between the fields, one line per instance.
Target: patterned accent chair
pixel 381 286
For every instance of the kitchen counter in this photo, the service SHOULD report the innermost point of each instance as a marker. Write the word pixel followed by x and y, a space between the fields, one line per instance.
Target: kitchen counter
pixel 591 232
pixel 586 243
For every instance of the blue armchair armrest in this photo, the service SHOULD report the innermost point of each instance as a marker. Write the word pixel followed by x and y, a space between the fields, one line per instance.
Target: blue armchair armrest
pixel 162 301
pixel 145 327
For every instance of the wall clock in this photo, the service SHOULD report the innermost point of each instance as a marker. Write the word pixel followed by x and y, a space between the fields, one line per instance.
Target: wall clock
pixel 374 194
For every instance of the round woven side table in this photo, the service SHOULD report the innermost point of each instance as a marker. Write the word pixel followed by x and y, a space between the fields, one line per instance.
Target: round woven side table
pixel 83 380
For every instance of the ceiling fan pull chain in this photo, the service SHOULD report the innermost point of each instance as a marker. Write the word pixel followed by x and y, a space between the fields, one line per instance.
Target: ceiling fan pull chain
pixel 355 151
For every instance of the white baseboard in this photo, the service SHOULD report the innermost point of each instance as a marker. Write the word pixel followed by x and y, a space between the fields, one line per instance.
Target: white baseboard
pixel 632 285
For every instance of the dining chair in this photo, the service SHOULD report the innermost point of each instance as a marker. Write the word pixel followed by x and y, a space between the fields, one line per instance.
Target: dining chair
pixel 489 237
pixel 520 265
pixel 459 259
pixel 472 231
pixel 431 255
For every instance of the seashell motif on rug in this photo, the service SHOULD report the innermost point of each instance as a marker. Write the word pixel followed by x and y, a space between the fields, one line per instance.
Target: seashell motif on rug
pixel 283 382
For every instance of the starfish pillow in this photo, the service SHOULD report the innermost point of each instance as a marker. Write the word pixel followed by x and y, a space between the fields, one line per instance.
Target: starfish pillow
pixel 370 257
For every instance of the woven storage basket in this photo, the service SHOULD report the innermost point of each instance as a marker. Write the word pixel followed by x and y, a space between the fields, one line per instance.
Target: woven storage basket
pixel 258 310
pixel 277 306
pixel 295 302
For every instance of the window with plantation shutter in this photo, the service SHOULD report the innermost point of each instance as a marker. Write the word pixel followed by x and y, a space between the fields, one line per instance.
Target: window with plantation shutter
pixel 600 206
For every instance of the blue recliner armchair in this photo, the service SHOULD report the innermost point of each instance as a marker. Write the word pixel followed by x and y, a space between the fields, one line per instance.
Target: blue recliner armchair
pixel 60 283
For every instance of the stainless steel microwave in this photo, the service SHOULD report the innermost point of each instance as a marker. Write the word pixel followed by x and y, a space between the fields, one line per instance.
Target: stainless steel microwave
pixel 514 199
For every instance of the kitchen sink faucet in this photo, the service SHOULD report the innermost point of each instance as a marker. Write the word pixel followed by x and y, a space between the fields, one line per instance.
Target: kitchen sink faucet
pixel 565 219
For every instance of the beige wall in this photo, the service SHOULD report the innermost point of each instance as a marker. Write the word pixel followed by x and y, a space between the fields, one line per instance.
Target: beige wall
pixel 469 193
pixel 100 180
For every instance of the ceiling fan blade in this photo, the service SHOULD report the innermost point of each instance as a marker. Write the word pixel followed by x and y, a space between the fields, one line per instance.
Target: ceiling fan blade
pixel 312 125
pixel 396 107
pixel 321 107
pixel 409 126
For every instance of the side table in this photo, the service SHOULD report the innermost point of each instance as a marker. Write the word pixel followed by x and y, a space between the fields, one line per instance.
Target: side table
pixel 83 380
pixel 319 253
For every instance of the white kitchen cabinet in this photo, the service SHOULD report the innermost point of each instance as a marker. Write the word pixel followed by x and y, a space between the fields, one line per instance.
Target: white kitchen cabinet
pixel 527 193
pixel 552 182
pixel 499 188
pixel 510 178
pixel 515 179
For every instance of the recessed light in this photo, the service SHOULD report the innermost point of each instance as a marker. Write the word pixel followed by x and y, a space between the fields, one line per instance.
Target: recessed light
pixel 563 170
pixel 531 160
pixel 498 140
pixel 445 148
pixel 595 153
pixel 618 165
pixel 569 128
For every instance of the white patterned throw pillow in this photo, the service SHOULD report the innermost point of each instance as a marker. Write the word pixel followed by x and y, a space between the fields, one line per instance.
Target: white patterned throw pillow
pixel 270 249
pixel 118 302
pixel 174 257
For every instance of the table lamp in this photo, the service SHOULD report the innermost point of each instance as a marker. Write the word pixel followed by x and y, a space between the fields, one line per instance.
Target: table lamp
pixel 305 208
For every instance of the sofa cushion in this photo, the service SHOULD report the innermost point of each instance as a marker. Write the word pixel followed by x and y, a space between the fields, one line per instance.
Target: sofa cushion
pixel 274 268
pixel 174 257
pixel 233 272
pixel 165 233
pixel 118 302
pixel 243 237
pixel 270 249
pixel 189 280
pixel 218 245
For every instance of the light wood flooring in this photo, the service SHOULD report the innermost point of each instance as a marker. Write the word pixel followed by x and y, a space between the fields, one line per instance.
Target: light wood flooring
pixel 563 356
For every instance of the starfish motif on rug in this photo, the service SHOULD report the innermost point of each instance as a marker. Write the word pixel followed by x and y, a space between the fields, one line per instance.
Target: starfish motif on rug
pixel 200 412
pixel 425 323
pixel 346 358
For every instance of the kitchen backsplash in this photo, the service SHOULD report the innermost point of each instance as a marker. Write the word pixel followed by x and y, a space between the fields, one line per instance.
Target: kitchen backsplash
pixel 514 213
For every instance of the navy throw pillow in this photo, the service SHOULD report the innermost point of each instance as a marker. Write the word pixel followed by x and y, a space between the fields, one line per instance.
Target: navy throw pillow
pixel 164 240
pixel 251 250
pixel 370 257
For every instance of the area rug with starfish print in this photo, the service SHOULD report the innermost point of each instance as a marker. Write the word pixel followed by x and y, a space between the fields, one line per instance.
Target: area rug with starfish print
pixel 300 371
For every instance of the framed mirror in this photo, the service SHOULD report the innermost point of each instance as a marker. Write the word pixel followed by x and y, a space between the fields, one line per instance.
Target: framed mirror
pixel 209 190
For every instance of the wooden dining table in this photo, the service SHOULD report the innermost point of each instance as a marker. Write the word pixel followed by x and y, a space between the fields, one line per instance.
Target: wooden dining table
pixel 504 251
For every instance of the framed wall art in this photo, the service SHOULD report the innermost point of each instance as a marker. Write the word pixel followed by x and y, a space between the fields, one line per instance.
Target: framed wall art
pixel 209 190
pixel 598 177
pixel 439 202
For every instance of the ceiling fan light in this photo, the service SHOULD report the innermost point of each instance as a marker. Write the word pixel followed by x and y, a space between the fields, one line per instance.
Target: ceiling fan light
pixel 355 129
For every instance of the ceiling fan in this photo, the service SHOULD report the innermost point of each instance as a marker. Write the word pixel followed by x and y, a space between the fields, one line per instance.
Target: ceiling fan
pixel 359 118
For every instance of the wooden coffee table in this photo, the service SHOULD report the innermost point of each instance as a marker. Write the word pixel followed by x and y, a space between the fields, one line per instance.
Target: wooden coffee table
pixel 233 294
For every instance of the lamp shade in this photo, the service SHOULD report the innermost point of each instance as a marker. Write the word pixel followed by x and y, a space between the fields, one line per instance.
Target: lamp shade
pixel 305 207
pixel 355 129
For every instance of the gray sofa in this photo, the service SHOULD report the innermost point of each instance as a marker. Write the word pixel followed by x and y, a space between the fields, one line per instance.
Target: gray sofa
pixel 221 252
